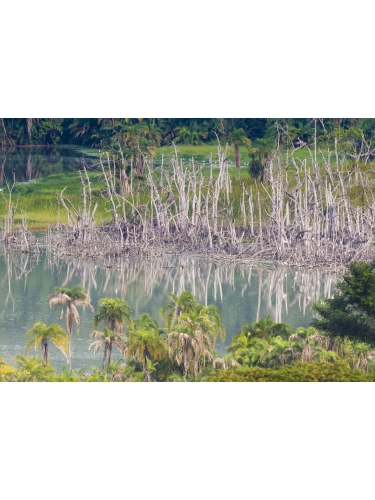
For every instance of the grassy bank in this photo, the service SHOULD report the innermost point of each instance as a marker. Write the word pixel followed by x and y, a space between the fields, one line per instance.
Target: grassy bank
pixel 39 199
pixel 201 152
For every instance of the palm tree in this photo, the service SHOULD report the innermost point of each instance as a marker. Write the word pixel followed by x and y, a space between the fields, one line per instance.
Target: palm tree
pixel 114 313
pixel 362 354
pixel 249 351
pixel 238 138
pixel 263 327
pixel 70 298
pixel 226 363
pixel 189 345
pixel 109 338
pixel 145 343
pixel 185 303
pixel 263 151
pixel 210 320
pixel 279 352
pixel 251 347
pixel 188 136
pixel 183 135
pixel 86 129
pixel 239 349
pixel 138 138
pixel 41 334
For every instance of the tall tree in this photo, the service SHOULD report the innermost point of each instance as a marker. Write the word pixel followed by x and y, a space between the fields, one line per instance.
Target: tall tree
pixel 70 298
pixel 350 312
pixel 114 313
pixel 260 154
pixel 210 321
pixel 109 338
pixel 189 345
pixel 41 335
pixel 239 138
pixel 178 304
pixel 145 343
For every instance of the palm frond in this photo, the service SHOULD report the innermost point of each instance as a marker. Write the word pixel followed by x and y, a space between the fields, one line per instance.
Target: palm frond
pixel 58 300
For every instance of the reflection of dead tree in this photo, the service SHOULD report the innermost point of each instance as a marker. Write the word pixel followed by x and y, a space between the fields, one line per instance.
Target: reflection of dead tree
pixel 5 140
pixel 14 236
pixel 8 278
pixel 8 225
pixel 205 278
pixel 18 267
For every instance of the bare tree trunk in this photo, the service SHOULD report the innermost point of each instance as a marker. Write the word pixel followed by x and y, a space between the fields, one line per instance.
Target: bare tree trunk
pixel 109 352
pixel 45 351
pixel 144 367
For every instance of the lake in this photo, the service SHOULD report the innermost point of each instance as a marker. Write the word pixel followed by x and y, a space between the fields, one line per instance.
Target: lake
pixel 242 292
pixel 22 164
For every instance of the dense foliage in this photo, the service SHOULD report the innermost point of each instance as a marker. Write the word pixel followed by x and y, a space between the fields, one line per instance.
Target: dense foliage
pixel 351 311
pixel 103 132
pixel 185 349
pixel 300 372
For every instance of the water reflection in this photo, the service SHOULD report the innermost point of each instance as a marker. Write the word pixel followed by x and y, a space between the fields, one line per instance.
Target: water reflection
pixel 243 292
pixel 24 164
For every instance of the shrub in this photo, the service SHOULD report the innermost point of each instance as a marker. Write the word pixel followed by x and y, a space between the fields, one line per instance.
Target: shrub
pixel 299 372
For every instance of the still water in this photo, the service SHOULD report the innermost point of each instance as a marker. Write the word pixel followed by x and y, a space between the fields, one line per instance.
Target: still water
pixel 22 164
pixel 242 292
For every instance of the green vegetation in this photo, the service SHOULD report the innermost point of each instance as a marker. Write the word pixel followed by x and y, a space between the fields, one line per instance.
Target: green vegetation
pixel 251 142
pixel 108 338
pixel 115 313
pixel 300 372
pixel 185 349
pixel 329 198
pixel 41 334
pixel 70 298
pixel 238 138
pixel 102 132
pixel 39 200
pixel 351 311
pixel 146 344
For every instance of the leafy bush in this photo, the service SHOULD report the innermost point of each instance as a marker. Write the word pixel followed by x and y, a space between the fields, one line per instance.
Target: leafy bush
pixel 350 313
pixel 300 372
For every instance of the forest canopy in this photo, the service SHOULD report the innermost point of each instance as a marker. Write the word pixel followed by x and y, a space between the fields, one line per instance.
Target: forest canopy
pixel 154 132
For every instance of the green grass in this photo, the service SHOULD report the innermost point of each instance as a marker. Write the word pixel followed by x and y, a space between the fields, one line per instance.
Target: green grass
pixel 201 152
pixel 40 199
